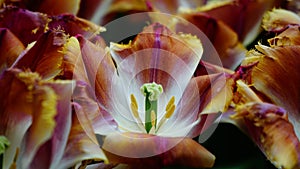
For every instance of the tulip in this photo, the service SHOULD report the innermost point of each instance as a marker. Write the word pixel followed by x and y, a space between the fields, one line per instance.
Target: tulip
pixel 266 100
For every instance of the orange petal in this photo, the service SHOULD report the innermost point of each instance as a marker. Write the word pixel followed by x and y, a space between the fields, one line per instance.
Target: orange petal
pixel 276 77
pixel 268 125
pixel 48 61
pixel 279 19
pixel 154 151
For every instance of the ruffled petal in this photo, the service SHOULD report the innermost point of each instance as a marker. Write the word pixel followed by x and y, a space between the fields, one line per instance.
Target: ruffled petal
pixel 155 152
pixel 46 55
pixel 50 125
pixel 279 19
pixel 269 127
pixel 276 77
pixel 14 119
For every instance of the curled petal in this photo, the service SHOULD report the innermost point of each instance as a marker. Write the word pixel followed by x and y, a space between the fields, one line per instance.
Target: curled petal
pixel 11 47
pixel 270 128
pixel 279 19
pixel 276 77
pixel 48 61
pixel 291 36
pixel 167 151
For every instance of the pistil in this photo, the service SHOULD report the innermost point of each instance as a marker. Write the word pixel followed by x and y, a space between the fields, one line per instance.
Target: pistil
pixel 151 92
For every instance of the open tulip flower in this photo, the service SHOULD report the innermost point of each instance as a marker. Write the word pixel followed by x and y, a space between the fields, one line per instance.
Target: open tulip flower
pixel 153 99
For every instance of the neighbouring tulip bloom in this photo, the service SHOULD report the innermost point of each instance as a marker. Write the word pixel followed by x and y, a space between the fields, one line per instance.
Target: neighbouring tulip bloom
pixel 28 26
pixel 37 116
pixel 29 113
pixel 38 122
pixel 266 100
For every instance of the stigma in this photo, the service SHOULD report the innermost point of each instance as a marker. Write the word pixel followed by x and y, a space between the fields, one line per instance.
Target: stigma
pixel 151 91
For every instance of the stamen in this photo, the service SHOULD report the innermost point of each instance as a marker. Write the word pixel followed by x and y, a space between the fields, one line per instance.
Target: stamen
pixel 135 112
pixel 170 111
pixel 170 103
pixel 153 118
pixel 134 106
pixel 133 100
pixel 170 108
pixel 153 121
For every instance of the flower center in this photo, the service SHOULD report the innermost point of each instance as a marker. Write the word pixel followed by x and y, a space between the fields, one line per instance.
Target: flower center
pixel 151 91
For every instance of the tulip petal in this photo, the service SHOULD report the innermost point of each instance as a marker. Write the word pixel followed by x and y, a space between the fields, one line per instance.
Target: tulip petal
pixel 73 26
pixel 150 58
pixel 48 61
pixel 24 24
pixel 47 136
pixel 91 65
pixel 168 151
pixel 223 38
pixel 14 119
pixel 28 26
pixel 270 128
pixel 276 77
pixel 102 122
pixel 49 7
pixel 239 16
pixel 279 19
pixel 10 49
pixel 82 143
